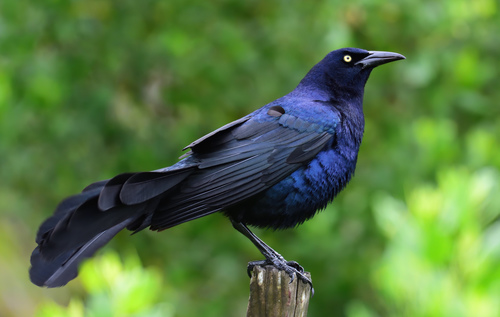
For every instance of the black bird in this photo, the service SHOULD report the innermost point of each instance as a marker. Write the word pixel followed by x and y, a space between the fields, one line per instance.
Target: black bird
pixel 274 168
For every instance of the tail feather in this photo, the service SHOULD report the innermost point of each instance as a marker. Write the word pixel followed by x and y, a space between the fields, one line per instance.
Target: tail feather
pixel 83 223
pixel 66 207
pixel 109 196
pixel 59 271
pixel 148 185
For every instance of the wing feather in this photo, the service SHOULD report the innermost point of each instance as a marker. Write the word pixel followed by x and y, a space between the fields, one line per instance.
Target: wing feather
pixel 256 156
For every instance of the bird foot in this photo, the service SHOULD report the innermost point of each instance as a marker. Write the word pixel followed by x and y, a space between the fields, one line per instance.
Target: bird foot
pixel 292 268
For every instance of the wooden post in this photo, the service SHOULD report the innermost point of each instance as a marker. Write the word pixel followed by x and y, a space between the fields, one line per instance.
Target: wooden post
pixel 272 294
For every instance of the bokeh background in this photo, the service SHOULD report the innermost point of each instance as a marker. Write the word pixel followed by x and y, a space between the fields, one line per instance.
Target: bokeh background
pixel 90 89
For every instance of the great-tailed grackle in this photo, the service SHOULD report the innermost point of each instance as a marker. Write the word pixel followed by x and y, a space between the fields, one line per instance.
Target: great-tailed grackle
pixel 274 168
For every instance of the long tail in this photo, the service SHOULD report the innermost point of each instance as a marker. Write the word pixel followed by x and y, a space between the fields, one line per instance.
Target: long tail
pixel 83 223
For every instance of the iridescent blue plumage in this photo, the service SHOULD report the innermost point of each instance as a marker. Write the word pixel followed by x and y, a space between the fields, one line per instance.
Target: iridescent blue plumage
pixel 275 168
pixel 309 188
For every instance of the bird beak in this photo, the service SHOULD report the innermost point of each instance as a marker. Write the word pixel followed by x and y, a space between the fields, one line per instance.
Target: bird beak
pixel 377 58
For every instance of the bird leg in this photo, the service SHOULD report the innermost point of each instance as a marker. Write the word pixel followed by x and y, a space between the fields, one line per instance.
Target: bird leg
pixel 272 257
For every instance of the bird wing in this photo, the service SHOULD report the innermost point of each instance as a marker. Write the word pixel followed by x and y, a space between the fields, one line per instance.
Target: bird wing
pixel 225 167
pixel 239 161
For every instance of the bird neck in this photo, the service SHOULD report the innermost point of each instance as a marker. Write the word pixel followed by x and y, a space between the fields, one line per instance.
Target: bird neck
pixel 332 85
pixel 341 93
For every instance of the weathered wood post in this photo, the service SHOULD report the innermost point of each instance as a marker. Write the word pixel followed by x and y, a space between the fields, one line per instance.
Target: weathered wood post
pixel 272 294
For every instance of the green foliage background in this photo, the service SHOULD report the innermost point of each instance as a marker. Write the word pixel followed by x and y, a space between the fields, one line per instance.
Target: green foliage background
pixel 90 89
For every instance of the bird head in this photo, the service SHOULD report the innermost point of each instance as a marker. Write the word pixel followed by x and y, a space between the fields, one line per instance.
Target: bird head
pixel 356 63
pixel 347 68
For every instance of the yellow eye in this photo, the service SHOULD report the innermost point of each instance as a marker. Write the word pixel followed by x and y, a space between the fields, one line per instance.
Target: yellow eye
pixel 347 58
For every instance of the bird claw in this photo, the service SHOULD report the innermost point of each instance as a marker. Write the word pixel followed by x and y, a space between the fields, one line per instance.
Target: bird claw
pixel 253 264
pixel 295 265
pixel 292 268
